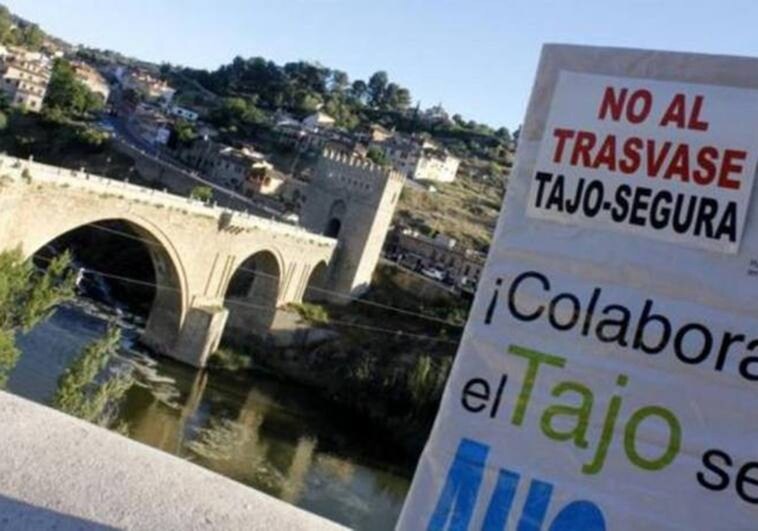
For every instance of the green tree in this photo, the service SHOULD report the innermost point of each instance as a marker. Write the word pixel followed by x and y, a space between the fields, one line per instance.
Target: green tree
pixel 377 86
pixel 377 156
pixel 185 132
pixel 165 69
pixel 340 81
pixel 202 193
pixel 69 95
pixel 503 134
pixel 6 26
pixel 309 102
pixel 91 137
pixel 426 380
pixel 517 134
pixel 359 90
pixel 28 296
pixel 339 108
pixel 236 111
pixel 30 36
pixel 396 97
pixel 78 394
pixel 495 170
pixel 5 104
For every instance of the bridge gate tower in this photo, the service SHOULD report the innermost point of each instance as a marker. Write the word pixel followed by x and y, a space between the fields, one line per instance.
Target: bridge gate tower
pixel 352 200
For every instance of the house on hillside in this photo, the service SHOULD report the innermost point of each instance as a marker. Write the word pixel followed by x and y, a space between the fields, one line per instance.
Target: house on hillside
pixel 459 267
pixel 150 124
pixel 319 120
pixel 436 164
pixel 140 81
pixel 92 79
pixel 419 158
pixel 25 76
pixel 375 133
pixel 300 138
pixel 264 181
pixel 183 113
pixel 240 169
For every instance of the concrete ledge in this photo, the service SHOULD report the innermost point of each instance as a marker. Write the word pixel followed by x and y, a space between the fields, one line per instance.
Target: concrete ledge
pixel 57 472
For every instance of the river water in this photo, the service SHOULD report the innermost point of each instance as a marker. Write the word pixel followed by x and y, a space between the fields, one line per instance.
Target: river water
pixel 272 436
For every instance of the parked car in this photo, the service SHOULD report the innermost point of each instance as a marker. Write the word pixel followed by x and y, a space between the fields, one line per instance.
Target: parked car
pixel 291 218
pixel 434 274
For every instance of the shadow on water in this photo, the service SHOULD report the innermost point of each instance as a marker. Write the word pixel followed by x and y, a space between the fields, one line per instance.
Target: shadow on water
pixel 273 436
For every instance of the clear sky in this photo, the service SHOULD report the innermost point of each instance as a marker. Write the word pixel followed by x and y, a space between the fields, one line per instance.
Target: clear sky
pixel 476 57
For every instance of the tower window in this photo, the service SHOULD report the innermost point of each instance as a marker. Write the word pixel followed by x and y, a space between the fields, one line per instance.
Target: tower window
pixel 333 228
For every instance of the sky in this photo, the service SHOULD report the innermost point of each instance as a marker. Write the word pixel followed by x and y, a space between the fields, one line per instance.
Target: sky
pixel 475 57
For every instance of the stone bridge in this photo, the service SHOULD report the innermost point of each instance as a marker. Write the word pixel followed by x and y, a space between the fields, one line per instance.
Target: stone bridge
pixel 214 268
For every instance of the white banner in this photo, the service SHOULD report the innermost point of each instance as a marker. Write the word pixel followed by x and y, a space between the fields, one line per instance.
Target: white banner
pixel 670 161
pixel 608 374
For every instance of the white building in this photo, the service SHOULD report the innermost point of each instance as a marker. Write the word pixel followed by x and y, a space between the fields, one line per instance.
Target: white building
pixel 183 113
pixel 24 77
pixel 436 165
pixel 420 158
pixel 318 120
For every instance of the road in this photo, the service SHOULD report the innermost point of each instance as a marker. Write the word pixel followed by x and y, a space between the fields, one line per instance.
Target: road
pixel 229 198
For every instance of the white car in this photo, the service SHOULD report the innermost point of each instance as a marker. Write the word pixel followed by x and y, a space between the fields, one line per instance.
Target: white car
pixel 434 274
pixel 292 218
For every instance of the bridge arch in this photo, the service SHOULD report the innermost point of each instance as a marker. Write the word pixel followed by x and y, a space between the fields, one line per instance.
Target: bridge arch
pixel 170 295
pixel 252 295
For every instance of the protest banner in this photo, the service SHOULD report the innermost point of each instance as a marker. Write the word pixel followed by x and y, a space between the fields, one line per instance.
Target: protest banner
pixel 608 373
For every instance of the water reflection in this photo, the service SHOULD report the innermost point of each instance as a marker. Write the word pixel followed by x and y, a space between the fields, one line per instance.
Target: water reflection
pixel 272 436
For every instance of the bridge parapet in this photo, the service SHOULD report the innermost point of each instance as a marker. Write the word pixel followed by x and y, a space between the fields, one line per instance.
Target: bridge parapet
pixel 19 170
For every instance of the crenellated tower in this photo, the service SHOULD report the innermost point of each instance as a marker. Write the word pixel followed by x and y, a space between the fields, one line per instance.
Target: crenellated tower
pixel 353 200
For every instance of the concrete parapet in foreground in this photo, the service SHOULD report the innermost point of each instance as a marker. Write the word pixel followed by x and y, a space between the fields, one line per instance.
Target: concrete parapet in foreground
pixel 58 472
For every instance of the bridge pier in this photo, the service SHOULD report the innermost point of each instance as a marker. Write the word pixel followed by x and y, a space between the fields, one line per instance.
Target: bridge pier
pixel 200 334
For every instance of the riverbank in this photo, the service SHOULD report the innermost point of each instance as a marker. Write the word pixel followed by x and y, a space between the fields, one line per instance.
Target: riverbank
pixel 384 367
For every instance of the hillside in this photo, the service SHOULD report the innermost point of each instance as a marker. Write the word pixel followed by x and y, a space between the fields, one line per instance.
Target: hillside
pixel 244 99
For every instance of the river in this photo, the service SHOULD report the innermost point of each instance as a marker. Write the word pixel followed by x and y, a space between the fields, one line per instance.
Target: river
pixel 272 436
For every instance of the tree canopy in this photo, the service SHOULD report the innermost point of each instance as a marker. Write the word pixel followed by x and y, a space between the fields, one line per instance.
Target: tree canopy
pixel 236 112
pixel 301 87
pixel 27 296
pixel 80 394
pixel 252 88
pixel 202 193
pixel 377 156
pixel 69 95
pixel 27 35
